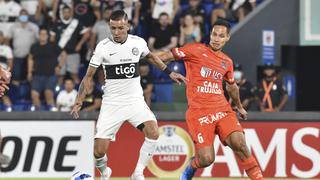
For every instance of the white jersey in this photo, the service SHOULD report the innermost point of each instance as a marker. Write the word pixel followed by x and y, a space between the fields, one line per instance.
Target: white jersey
pixel 120 62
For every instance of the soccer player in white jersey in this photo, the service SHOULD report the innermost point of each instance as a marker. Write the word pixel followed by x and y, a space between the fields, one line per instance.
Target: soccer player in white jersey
pixel 123 99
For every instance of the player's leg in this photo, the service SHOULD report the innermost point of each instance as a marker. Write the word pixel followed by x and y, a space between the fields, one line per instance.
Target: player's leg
pixel 150 130
pixel 100 149
pixel 109 121
pixel 146 122
pixel 231 134
pixel 202 129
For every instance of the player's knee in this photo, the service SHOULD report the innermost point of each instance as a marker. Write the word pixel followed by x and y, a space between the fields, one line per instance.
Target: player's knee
pixel 153 134
pixel 99 151
pixel 98 154
pixel 240 147
pixel 206 160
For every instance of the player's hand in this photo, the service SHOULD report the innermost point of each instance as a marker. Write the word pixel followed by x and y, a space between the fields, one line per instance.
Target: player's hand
pixel 5 75
pixel 76 109
pixel 177 77
pixel 243 113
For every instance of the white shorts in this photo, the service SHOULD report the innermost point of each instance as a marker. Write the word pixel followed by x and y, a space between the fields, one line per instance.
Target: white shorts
pixel 111 118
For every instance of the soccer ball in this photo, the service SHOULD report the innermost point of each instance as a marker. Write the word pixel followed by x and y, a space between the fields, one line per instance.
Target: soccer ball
pixel 82 176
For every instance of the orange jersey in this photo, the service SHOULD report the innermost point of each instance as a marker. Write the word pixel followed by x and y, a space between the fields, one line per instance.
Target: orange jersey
pixel 206 70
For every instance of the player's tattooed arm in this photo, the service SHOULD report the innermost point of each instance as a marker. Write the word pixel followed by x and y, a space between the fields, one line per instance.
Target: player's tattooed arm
pixel 155 60
pixel 84 87
pixel 165 56
pixel 85 84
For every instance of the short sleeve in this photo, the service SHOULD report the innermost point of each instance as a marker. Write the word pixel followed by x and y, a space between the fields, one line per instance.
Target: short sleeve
pixel 182 52
pixel 228 77
pixel 95 28
pixel 9 53
pixel 97 57
pixel 59 98
pixel 144 48
pixel 282 89
pixel 33 49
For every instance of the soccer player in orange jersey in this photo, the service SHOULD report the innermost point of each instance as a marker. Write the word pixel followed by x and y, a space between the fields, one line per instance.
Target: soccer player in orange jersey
pixel 208 112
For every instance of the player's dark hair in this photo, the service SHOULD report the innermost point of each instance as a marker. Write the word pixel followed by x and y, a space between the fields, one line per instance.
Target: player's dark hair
pixel 221 22
pixel 118 15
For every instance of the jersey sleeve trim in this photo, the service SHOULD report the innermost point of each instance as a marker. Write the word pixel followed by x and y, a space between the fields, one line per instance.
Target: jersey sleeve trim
pixel 94 65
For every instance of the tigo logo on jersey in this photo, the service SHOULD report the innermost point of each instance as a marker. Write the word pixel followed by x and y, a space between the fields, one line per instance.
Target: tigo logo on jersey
pixel 174 149
pixel 128 71
pixel 205 71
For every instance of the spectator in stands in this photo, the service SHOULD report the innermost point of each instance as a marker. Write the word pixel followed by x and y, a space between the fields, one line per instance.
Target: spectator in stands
pixel 44 14
pixel 43 68
pixel 100 31
pixel 4 159
pixel 66 98
pixel 22 34
pixel 196 10
pixel 163 36
pixel 246 89
pixel 83 11
pixel 271 92
pixel 31 7
pixel 6 60
pixel 93 100
pixel 146 81
pixel 233 10
pixel 189 31
pixel 70 35
pixel 58 6
pixel 9 12
pixel 170 7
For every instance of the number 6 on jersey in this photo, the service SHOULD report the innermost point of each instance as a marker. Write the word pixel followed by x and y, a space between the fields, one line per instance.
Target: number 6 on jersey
pixel 200 138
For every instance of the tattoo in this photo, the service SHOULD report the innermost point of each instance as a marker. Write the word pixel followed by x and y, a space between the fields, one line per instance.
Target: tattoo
pixel 86 84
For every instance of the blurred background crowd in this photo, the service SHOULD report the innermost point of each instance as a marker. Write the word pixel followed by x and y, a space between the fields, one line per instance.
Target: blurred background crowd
pixel 48 44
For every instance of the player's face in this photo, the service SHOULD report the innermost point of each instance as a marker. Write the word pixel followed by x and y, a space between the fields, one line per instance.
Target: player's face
pixel 119 30
pixel 218 38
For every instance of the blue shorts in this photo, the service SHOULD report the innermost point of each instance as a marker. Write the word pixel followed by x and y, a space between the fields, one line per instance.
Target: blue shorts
pixel 41 83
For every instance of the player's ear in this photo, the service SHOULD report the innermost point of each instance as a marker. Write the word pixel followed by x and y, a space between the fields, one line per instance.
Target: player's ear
pixel 228 37
pixel 128 26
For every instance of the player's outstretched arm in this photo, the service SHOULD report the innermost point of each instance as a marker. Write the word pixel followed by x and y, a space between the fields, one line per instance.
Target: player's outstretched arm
pixel 155 60
pixel 84 87
pixel 165 56
pixel 233 92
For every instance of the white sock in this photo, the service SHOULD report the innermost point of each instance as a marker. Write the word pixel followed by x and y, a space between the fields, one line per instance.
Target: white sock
pixel 146 151
pixel 101 164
